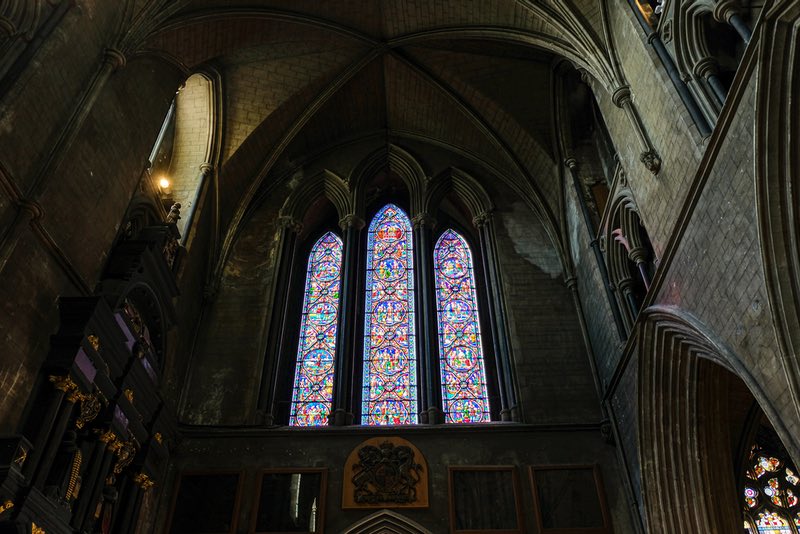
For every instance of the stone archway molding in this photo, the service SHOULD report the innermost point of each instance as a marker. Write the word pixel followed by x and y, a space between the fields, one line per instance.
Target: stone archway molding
pixel 386 522
pixel 684 450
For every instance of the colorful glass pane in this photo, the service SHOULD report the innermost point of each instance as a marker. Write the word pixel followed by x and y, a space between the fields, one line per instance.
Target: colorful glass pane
pixel 772 523
pixel 791 478
pixel 313 379
pixel 747 528
pixel 464 395
pixel 751 497
pixel 389 391
pixel 769 464
pixel 791 498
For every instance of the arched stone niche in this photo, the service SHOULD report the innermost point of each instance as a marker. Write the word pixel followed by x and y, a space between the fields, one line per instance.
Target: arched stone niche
pixel 385 472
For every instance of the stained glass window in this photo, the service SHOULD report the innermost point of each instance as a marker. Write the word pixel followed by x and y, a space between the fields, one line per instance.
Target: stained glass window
pixel 771 493
pixel 464 395
pixel 389 395
pixel 313 380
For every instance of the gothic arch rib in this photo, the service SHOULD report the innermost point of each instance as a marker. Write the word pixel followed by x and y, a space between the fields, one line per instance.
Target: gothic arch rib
pixel 386 522
pixel 678 427
pixel 777 182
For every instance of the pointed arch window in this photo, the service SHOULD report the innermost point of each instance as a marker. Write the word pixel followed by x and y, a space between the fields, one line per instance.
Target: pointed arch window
pixel 449 361
pixel 313 379
pixel 464 394
pixel 389 391
pixel 771 494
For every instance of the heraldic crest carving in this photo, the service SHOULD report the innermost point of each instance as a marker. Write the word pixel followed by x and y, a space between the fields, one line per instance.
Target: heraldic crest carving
pixel 386 473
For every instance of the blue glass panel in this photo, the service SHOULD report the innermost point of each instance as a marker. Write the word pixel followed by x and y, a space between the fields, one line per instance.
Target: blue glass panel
pixel 313 380
pixel 389 392
pixel 464 395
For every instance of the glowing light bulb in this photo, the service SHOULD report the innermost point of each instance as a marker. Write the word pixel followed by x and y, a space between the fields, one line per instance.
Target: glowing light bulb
pixel 163 183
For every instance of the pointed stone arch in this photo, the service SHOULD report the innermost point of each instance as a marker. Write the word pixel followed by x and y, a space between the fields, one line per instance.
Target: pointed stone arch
pixel 684 449
pixel 777 181
pixel 396 160
pixel 386 522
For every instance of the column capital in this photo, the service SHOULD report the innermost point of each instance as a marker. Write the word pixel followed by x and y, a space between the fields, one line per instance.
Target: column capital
pixel 114 57
pixel 638 255
pixel 571 282
pixel 621 96
pixel 351 220
pixel 206 168
pixel 571 163
pixel 725 9
pixel 290 223
pixel 482 219
pixel 706 67
pixel 423 220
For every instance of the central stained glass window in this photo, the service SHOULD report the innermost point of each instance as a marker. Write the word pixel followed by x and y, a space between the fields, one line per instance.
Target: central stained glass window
pixel 389 395
pixel 313 380
pixel 464 394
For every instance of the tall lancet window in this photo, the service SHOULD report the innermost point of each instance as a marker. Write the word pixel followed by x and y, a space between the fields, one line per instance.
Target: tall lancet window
pixel 389 395
pixel 464 394
pixel 313 379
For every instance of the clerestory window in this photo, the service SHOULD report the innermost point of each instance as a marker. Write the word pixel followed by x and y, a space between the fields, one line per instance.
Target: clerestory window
pixel 389 359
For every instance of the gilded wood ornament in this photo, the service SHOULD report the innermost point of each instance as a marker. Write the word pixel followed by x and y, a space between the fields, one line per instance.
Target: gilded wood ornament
pixel 385 472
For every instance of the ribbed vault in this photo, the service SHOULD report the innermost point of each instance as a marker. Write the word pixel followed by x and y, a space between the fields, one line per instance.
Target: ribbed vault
pixel 304 77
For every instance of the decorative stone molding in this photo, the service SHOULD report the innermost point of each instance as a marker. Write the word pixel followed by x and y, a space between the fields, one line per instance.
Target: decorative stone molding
pixel 351 221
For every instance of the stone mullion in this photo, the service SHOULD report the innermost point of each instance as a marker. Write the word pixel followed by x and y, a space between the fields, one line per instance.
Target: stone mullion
pixel 342 413
pixel 277 334
pixel 508 398
pixel 426 321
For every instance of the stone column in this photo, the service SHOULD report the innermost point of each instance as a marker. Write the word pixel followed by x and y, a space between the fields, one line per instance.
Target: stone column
pixel 638 256
pixel 649 157
pixel 509 410
pixel 430 392
pixel 727 12
pixel 708 69
pixel 342 412
pixel 289 229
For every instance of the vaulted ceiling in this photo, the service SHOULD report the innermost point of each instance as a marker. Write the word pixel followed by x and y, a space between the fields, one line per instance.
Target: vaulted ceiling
pixel 303 77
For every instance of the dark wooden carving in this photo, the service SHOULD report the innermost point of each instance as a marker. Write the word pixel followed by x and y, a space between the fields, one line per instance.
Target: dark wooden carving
pixel 386 474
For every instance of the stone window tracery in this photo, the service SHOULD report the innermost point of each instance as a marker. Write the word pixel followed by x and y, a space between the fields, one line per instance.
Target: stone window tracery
pixel 771 494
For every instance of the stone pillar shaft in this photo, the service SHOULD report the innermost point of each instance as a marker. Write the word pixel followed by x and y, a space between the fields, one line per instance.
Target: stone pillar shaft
pixel 427 327
pixel 342 409
pixel 508 397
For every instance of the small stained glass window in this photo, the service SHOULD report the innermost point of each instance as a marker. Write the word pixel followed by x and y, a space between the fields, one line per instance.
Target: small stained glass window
pixel 389 392
pixel 313 382
pixel 464 393
pixel 770 495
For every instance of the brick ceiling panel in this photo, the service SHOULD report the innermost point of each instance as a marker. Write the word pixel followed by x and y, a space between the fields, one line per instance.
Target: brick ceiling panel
pixel 416 106
pixel 361 15
pixel 196 41
pixel 508 94
pixel 410 16
pixel 254 89
pixel 357 108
